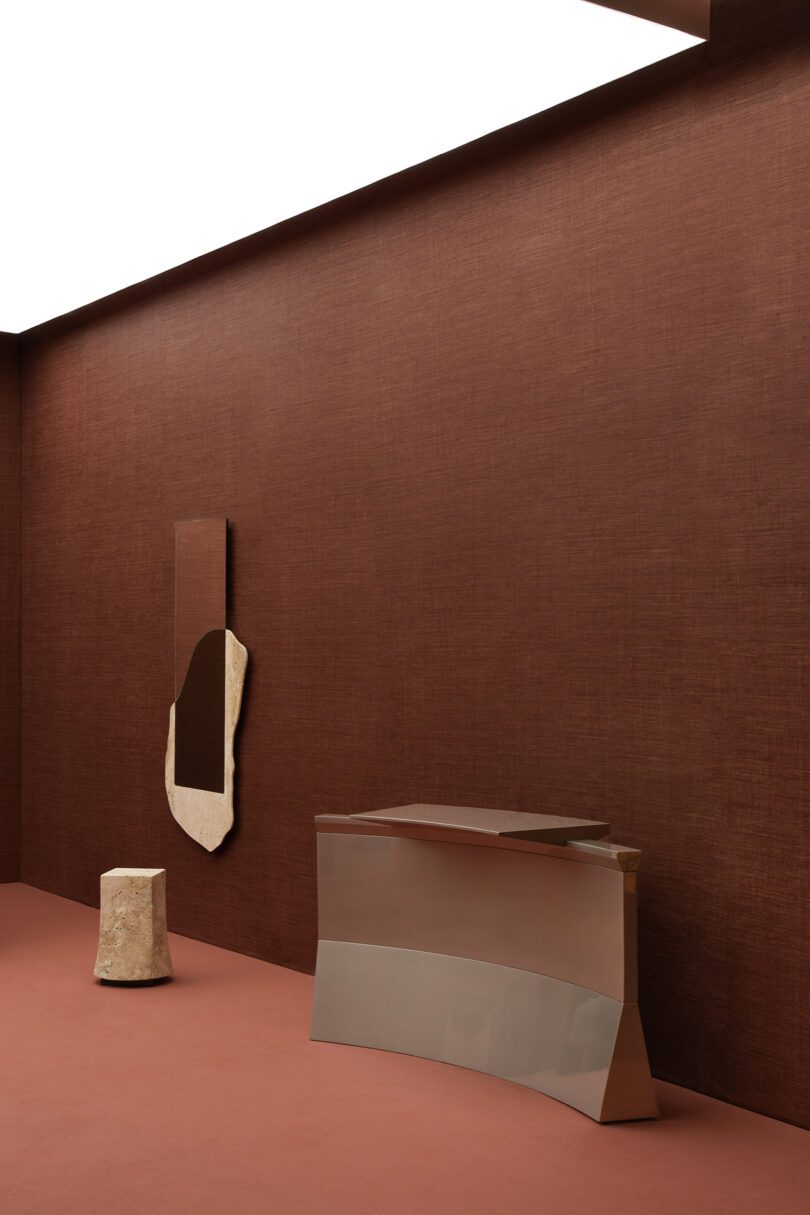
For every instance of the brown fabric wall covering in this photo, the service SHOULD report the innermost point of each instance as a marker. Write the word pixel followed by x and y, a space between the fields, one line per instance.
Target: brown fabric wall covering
pixel 514 450
pixel 9 609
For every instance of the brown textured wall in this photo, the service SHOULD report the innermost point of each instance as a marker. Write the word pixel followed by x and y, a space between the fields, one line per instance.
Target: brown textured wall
pixel 9 609
pixel 515 455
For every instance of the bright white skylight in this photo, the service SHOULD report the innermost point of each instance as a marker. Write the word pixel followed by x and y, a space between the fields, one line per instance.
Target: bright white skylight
pixel 138 136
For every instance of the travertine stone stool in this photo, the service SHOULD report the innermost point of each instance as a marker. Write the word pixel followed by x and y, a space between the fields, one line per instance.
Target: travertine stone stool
pixel 132 945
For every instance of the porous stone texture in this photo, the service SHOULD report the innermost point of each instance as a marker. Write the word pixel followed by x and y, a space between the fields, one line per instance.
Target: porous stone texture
pixel 132 944
pixel 206 816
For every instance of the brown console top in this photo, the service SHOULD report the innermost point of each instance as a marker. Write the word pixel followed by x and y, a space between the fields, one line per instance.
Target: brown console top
pixel 587 851
pixel 512 824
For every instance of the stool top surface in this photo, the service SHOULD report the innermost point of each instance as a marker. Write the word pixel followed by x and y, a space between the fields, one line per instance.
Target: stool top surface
pixel 133 872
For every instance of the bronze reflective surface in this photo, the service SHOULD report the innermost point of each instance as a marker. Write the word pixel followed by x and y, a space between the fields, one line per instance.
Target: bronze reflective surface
pixel 199 739
pixel 200 556
pixel 551 1036
pixel 617 856
pixel 519 909
pixel 550 828
pixel 629 1088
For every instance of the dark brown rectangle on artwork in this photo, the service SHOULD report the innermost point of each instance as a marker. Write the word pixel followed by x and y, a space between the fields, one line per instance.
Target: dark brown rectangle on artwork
pixel 200 554
pixel 199 725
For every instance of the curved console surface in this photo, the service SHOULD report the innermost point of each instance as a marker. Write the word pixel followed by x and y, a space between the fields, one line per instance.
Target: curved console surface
pixel 509 955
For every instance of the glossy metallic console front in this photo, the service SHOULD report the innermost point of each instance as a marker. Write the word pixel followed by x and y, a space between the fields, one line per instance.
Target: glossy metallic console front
pixel 512 957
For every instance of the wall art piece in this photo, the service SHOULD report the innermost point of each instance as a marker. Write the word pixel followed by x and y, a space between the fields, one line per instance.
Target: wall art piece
pixel 133 948
pixel 209 675
pixel 507 946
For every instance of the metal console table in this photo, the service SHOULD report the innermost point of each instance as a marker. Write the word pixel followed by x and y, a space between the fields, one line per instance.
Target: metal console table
pixel 494 940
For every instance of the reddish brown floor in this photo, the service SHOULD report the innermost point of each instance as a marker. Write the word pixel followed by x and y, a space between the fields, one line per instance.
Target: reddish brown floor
pixel 205 1095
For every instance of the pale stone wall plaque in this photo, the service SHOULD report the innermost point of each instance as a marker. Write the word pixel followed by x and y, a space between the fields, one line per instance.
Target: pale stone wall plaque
pixel 205 815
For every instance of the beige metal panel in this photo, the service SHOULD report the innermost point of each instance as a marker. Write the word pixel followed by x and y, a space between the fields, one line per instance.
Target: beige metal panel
pixel 524 910
pixel 630 938
pixel 514 824
pixel 554 1037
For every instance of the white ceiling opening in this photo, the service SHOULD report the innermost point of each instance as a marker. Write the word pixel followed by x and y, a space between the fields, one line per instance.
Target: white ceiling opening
pixel 140 136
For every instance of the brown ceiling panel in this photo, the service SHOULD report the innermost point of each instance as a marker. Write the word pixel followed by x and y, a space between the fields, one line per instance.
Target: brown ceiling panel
pixel 691 16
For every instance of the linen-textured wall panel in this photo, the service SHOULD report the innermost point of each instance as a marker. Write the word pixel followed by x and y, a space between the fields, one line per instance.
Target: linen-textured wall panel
pixel 9 609
pixel 200 587
pixel 515 458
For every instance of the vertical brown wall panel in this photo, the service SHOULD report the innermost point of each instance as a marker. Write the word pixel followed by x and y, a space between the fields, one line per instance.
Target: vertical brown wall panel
pixel 9 609
pixel 515 456
pixel 200 587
